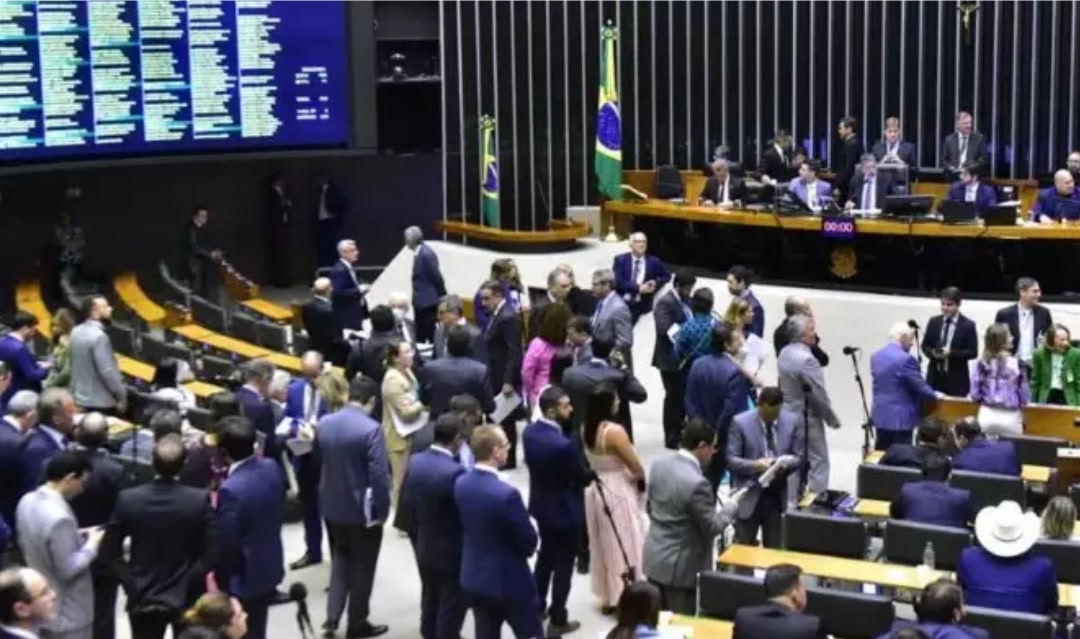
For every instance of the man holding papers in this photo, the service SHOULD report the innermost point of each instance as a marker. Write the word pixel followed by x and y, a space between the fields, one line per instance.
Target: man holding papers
pixel 763 448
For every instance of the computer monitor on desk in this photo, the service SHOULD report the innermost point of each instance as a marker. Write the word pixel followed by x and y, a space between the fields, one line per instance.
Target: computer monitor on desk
pixel 908 205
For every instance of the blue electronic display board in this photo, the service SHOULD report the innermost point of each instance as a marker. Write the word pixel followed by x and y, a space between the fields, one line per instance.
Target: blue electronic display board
pixel 86 78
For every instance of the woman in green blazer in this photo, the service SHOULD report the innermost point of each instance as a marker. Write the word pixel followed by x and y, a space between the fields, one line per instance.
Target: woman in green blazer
pixel 1055 375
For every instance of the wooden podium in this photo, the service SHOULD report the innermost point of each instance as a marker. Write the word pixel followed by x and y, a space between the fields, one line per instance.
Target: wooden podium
pixel 1068 469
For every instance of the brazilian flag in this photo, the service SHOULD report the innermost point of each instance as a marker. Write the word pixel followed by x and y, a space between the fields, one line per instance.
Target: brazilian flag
pixel 489 170
pixel 607 161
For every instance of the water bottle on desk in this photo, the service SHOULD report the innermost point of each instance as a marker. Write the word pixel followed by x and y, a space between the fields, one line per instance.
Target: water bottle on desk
pixel 928 556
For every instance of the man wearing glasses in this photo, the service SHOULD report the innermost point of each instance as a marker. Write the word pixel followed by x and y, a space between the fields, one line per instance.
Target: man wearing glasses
pixel 26 603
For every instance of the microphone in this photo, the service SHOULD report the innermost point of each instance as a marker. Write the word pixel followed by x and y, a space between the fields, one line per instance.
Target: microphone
pixel 912 324
pixel 850 350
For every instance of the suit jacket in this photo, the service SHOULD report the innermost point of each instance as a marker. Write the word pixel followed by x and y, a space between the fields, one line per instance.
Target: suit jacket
pixel 1011 315
pixel 627 288
pixel 350 305
pixel 799 190
pixel 324 332
pixel 580 380
pixel 976 150
pixel 476 341
pixel 668 311
pixel 848 154
pixel 746 445
pixel 11 478
pixel 932 502
pixel 777 167
pixel 773 620
pixel 683 522
pixel 711 190
pixel 250 512
pixel 94 506
pixel 613 322
pixel 497 538
pixel 716 391
pixel 883 187
pixel 296 408
pixel 37 448
pixel 982 455
pixel 352 450
pixel 173 543
pixel 198 257
pixel 899 391
pixel 757 326
pixel 25 372
pixel 797 365
pixel 985 195
pixel 261 414
pixel 96 381
pixel 904 150
pixel 938 631
pixel 502 339
pixel 556 476
pixel 781 339
pixel 1042 372
pixel 366 356
pixel 427 280
pixel 1027 583
pixel 441 379
pixel 950 375
pixel 433 513
pixel 50 543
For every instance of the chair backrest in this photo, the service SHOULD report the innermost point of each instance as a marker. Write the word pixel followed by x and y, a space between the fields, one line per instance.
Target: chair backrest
pixel 122 338
pixel 1010 625
pixel 135 471
pixel 207 313
pixel 669 183
pixel 905 542
pixel 721 594
pixel 300 343
pixel 243 326
pixel 987 489
pixel 877 481
pixel 152 348
pixel 179 351
pixel 272 336
pixel 216 367
pixel 825 534
pixel 873 614
pixel 199 418
pixel 1066 558
pixel 1037 451
pixel 144 405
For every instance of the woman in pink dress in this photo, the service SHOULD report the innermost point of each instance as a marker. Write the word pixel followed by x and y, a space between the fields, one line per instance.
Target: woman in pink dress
pixel 550 337
pixel 612 504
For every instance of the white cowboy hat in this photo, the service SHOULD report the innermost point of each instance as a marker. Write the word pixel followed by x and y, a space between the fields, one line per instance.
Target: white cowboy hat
pixel 1006 531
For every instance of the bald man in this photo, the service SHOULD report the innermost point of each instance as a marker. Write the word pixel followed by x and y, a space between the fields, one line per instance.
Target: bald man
pixel 305 406
pixel 323 329
pixel 1058 203
pixel 28 603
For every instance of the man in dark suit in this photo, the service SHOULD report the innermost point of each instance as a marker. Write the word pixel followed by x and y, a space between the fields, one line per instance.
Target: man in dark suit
pixel 671 310
pixel 93 507
pixel 333 204
pixel 949 343
pixel 26 372
pixel 199 259
pixel 971 189
pixel 869 188
pixel 739 280
pixel 940 611
pixel 27 603
pixel 354 495
pixel 890 145
pixel 722 190
pixel 324 333
pixel 931 501
pixel 758 438
pixel 559 284
pixel 557 478
pixel 497 541
pixel 503 345
pixel 1028 321
pixel 20 416
pixel 781 336
pixel 637 278
pixel 847 155
pixel 348 294
pixel 981 455
pixel 428 493
pixel 5 382
pixel 716 391
pixel 931 438
pixel 250 512
pixel 53 433
pixel 305 406
pixel 277 227
pixel 581 380
pixel 367 355
pixel 173 544
pixel 777 160
pixel 784 614
pixel 451 314
pixel 253 396
pixel 454 374
pixel 963 147
pixel 427 284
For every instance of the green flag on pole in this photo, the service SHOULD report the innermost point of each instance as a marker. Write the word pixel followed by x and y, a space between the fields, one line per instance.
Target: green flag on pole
pixel 608 157
pixel 489 170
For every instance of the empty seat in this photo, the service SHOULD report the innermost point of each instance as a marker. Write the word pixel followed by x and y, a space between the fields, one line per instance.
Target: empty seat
pixel 1036 451
pixel 200 418
pixel 174 291
pixel 905 542
pixel 153 348
pixel 877 481
pixel 122 338
pixel 243 326
pixel 272 336
pixel 300 343
pixel 1066 558
pixel 987 489
pixel 825 535
pixel 207 313
pixel 179 351
pixel 721 594
pixel 144 405
pixel 216 368
pixel 1010 625
pixel 873 614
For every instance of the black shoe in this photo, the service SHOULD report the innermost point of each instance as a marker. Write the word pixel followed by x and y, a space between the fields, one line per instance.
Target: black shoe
pixel 304 562
pixel 558 630
pixel 583 565
pixel 367 630
pixel 607 610
pixel 329 630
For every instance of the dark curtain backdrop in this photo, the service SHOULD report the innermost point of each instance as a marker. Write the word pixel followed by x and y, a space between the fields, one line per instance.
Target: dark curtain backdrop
pixel 694 75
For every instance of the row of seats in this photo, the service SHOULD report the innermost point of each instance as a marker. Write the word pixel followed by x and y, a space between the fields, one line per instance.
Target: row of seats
pixel 877 481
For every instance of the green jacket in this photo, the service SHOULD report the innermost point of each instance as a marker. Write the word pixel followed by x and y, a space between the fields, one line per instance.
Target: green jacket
pixel 1041 369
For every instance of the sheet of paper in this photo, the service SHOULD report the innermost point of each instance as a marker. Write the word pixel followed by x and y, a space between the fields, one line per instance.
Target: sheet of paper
pixel 299 446
pixel 673 331
pixel 285 426
pixel 404 428
pixel 779 464
pixel 676 632
pixel 504 405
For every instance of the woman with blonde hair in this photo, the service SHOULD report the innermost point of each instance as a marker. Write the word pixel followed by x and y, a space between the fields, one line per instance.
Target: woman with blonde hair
pixel 401 409
pixel 218 613
pixel 754 350
pixel 62 324
pixel 999 384
pixel 1059 519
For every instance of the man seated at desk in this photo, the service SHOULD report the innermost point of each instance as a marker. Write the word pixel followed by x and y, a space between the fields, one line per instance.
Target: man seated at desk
pixel 722 189
pixel 1059 202
pixel 931 501
pixel 981 455
pixel 971 189
pixel 808 188
pixel 930 438
pixel 940 609
pixel 868 188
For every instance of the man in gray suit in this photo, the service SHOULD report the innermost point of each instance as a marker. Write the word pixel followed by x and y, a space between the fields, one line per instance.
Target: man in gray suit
pixel 96 382
pixel 50 542
pixel 757 439
pixel 612 321
pixel 451 314
pixel 683 519
pixel 802 381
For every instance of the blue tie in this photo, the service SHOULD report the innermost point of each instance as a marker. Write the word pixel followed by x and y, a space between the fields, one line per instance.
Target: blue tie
pixel 867 185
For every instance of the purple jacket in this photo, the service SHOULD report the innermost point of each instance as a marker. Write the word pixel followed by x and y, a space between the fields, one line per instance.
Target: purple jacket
pixel 1000 383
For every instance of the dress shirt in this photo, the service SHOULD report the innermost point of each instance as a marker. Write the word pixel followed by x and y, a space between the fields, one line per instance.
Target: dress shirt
pixel 869 193
pixel 637 269
pixel 352 273
pixel 233 466
pixel 487 469
pixel 1026 348
pixel 18 632
pixel 725 190
pixel 768 432
pixel 970 191
pixel 439 449
pixel 1056 360
pixel 811 194
pixel 10 421
pixel 687 454
pixel 891 149
pixel 61 439
pixel 780 152
pixel 948 329
pixel 311 402
pixel 962 145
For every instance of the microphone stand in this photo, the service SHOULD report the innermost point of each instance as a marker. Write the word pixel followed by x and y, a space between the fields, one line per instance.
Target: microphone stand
pixel 918 351
pixel 868 425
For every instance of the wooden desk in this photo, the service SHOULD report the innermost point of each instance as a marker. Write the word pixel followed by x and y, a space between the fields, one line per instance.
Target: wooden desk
pixel 1040 420
pixel 28 299
pixel 269 310
pixel 1030 474
pixel 245 350
pixel 703 627
pixel 131 294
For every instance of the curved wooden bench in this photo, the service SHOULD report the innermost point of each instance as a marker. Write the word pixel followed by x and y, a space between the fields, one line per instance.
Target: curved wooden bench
pixel 131 294
pixel 28 299
pixel 561 235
